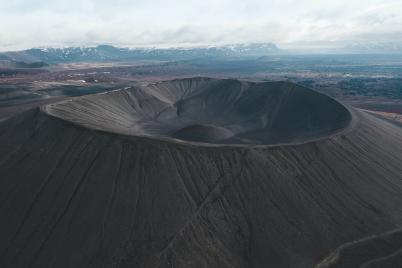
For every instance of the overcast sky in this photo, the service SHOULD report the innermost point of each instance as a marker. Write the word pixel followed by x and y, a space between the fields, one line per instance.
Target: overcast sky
pixel 288 23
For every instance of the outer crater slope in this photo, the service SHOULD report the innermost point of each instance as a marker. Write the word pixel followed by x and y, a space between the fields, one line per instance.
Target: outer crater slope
pixel 103 180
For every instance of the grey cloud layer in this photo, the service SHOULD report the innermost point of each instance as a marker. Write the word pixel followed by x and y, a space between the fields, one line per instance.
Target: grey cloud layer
pixel 27 23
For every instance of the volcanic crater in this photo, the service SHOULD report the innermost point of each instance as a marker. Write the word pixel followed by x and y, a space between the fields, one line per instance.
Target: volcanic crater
pixel 200 172
pixel 218 111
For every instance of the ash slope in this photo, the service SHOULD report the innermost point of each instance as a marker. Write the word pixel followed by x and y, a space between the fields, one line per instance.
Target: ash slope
pixel 210 110
pixel 73 196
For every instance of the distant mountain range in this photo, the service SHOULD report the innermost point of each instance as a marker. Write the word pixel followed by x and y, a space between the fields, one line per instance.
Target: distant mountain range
pixel 41 57
pixel 111 53
pixel 374 48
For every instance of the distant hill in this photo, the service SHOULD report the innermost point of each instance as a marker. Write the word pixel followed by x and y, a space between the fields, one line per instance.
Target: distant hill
pixel 21 64
pixel 374 48
pixel 111 53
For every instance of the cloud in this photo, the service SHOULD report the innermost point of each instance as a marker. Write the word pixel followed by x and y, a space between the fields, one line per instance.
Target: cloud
pixel 29 23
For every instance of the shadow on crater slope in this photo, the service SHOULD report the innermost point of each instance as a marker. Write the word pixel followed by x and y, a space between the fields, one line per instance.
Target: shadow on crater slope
pixel 210 110
pixel 75 192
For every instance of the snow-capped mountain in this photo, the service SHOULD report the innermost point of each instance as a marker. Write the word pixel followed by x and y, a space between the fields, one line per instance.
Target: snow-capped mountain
pixel 109 53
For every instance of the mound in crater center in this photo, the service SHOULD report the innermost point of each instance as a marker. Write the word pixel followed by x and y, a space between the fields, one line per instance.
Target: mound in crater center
pixel 219 111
